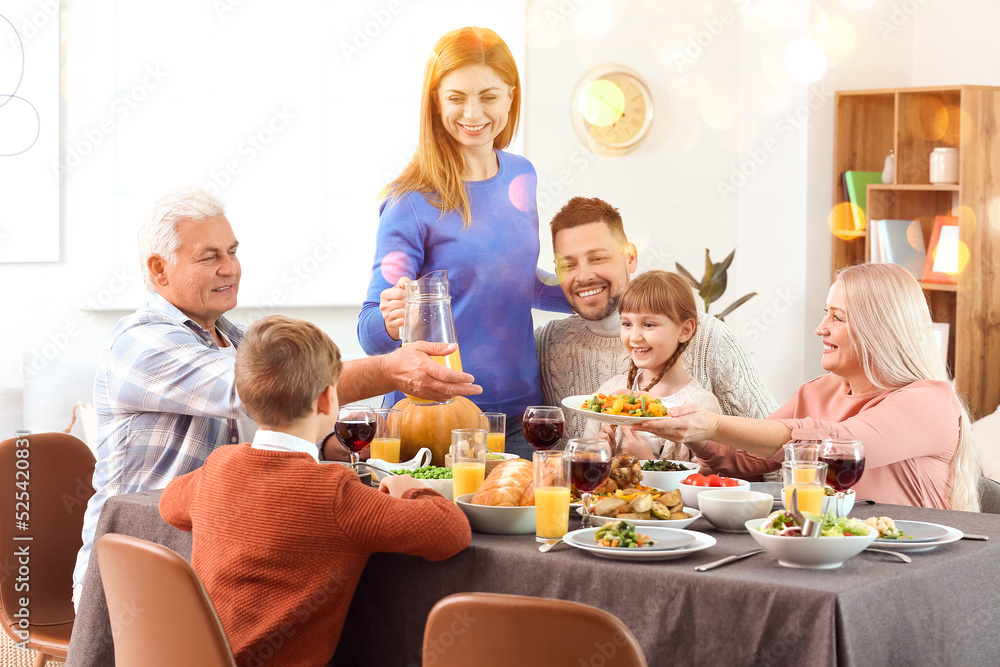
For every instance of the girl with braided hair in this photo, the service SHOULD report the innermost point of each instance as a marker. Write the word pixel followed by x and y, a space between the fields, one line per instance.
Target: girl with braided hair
pixel 658 319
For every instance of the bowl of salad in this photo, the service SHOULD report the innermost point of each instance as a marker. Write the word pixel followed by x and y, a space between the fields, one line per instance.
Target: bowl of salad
pixel 665 474
pixel 840 539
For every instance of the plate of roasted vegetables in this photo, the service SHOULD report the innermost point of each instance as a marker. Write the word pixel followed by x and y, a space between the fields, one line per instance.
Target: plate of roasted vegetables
pixel 621 409
pixel 644 508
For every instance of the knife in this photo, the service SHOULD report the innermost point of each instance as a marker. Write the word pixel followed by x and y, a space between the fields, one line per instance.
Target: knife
pixel 968 536
pixel 725 561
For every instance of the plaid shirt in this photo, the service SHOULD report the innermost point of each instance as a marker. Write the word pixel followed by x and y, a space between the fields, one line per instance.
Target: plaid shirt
pixel 166 399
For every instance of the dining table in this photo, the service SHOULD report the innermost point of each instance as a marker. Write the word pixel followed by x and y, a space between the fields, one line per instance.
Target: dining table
pixel 943 608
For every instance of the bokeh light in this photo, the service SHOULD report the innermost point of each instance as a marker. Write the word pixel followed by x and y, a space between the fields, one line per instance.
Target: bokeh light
pixel 858 4
pixel 927 118
pixel 966 218
pixel 522 192
pixel 805 60
pixel 594 19
pixel 604 103
pixel 842 223
pixel 683 133
pixel 721 108
pixel 835 35
pixel 395 265
pixel 690 86
pixel 953 126
pixel 741 137
pixel 915 235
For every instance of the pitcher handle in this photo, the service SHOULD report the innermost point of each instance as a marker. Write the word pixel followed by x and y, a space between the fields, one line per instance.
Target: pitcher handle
pixel 423 457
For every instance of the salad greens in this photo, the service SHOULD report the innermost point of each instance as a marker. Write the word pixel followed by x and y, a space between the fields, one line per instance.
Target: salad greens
pixel 620 534
pixel 780 523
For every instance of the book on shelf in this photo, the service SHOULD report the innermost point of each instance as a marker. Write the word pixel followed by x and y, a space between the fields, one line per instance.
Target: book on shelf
pixel 856 183
pixel 898 242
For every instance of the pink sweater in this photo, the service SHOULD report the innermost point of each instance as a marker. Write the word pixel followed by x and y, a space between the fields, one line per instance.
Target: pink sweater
pixel 910 436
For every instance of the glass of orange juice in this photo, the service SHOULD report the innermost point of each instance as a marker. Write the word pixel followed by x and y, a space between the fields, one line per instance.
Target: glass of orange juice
pixel 468 460
pixel 495 425
pixel 808 478
pixel 385 445
pixel 552 470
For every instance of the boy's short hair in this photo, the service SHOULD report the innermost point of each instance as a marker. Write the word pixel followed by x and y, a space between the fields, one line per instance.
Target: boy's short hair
pixel 583 211
pixel 282 366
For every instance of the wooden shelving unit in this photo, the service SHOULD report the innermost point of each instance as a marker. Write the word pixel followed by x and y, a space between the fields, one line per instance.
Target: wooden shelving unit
pixel 912 122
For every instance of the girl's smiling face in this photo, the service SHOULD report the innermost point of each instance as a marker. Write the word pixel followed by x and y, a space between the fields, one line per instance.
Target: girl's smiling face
pixel 652 339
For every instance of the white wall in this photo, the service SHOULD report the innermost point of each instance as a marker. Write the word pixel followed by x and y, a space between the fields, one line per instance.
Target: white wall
pixel 713 115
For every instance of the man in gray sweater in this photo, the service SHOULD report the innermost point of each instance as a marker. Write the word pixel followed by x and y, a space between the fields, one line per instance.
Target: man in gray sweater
pixel 594 262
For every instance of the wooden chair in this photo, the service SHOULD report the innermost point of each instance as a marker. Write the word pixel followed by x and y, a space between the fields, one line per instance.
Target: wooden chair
pixel 47 487
pixel 492 630
pixel 177 624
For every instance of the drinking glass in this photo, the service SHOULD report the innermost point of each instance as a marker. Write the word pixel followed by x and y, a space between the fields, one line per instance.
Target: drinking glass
pixel 806 477
pixel 468 460
pixel 543 426
pixel 495 425
pixel 590 465
pixel 552 479
pixel 845 460
pixel 388 423
pixel 355 428
pixel 802 451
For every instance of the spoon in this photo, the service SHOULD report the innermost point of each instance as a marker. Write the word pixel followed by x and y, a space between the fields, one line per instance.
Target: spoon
pixel 809 527
pixel 545 548
pixel 902 557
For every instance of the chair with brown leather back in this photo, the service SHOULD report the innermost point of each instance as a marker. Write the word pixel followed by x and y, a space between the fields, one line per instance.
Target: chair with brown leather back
pixel 44 489
pixel 492 630
pixel 165 615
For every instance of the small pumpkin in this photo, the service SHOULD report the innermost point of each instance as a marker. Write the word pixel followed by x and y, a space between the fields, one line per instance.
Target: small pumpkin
pixel 430 426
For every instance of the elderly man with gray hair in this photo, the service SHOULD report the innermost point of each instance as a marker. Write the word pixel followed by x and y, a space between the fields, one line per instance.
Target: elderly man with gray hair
pixel 165 389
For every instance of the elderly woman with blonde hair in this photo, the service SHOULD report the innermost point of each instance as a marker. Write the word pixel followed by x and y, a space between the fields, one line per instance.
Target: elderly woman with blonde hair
pixel 886 386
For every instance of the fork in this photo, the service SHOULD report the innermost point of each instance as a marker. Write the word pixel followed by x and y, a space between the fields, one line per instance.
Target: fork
pixel 900 556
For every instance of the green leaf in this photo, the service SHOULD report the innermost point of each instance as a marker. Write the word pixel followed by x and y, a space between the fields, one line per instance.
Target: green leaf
pixel 726 262
pixel 687 274
pixel 712 290
pixel 736 304
pixel 709 269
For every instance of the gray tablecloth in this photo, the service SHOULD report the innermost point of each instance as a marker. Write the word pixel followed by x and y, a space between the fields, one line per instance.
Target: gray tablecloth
pixel 942 609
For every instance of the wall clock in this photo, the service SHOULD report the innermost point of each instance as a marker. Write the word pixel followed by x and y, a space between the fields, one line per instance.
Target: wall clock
pixel 612 109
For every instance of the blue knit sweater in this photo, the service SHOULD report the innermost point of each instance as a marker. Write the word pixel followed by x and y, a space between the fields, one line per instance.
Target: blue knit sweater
pixel 492 270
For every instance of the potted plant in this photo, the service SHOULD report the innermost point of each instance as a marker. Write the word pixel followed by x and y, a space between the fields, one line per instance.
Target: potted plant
pixel 713 284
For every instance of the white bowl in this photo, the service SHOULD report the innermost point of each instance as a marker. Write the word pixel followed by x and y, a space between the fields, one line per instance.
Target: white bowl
pixel 728 509
pixel 689 493
pixel 423 458
pixel 498 520
pixel 442 486
pixel 820 553
pixel 676 523
pixel 668 480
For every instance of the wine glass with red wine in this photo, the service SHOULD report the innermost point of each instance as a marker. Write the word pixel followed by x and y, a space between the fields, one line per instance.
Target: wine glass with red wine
pixel 845 463
pixel 543 426
pixel 590 466
pixel 355 428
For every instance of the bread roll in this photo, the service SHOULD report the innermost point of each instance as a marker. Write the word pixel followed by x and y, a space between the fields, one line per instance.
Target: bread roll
pixel 506 485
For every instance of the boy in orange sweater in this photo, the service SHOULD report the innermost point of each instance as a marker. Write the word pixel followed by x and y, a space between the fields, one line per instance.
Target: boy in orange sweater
pixel 275 530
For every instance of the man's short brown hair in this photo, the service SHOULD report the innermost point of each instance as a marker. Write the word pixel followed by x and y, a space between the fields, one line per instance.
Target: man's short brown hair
pixel 282 366
pixel 583 211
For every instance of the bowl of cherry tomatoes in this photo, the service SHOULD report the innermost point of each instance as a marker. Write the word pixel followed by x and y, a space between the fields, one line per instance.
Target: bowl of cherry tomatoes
pixel 695 483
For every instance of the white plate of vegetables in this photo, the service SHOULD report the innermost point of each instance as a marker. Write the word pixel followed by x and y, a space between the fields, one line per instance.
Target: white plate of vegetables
pixel 692 541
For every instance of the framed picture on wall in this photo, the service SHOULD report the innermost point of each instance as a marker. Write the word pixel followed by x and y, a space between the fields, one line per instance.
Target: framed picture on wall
pixel 941 265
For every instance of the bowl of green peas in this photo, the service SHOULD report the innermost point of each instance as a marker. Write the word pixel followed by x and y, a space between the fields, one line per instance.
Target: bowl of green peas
pixel 437 477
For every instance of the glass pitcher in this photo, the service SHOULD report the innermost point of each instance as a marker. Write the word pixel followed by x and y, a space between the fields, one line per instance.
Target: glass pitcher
pixel 427 316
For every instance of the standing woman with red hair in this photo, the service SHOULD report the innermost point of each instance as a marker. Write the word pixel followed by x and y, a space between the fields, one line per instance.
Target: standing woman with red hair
pixel 465 205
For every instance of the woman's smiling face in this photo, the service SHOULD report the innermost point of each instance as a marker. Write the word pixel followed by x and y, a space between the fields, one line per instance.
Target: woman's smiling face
pixel 474 104
pixel 839 354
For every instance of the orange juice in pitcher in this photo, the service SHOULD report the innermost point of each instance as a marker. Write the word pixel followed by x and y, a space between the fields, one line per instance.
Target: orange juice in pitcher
pixel 427 317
